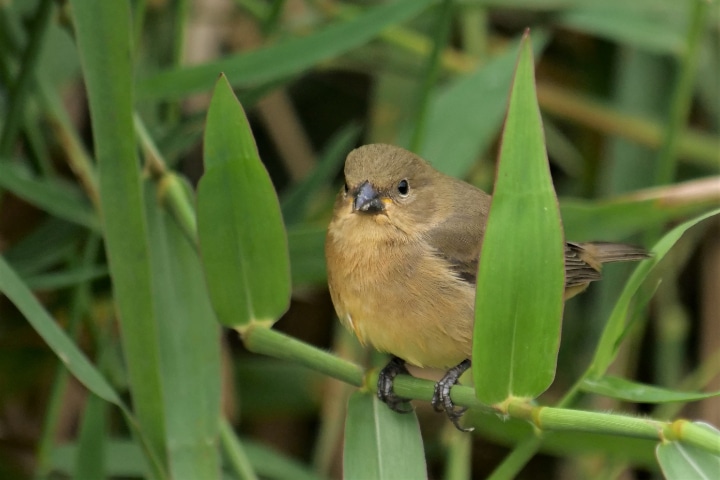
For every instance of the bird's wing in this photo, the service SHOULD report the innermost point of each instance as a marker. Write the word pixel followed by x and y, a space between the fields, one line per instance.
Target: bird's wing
pixel 457 236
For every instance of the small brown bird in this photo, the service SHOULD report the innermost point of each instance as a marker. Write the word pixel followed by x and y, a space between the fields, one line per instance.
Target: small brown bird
pixel 402 257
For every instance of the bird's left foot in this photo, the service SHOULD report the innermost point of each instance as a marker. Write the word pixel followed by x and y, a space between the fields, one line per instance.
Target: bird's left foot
pixel 441 400
pixel 385 392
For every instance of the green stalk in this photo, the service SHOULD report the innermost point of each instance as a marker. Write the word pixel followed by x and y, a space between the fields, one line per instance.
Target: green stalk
pixel 275 344
pixel 432 69
pixel 546 419
pixel 236 455
pixel 19 91
pixel 682 95
pixel 517 459
pixel 459 455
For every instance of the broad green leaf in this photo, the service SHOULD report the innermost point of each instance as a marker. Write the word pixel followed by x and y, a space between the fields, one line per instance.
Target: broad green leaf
pixel 520 284
pixel 616 325
pixel 630 391
pixel 680 461
pixel 465 116
pixel 103 36
pixel 189 339
pixel 240 227
pixel 59 199
pixel 380 443
pixel 287 58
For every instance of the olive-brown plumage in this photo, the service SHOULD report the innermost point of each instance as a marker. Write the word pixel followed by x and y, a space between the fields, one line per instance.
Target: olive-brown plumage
pixel 402 255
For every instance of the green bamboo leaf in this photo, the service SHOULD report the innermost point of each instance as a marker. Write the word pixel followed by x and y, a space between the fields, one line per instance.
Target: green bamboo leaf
pixel 680 461
pixel 285 59
pixel 104 41
pixel 55 197
pixel 630 391
pixel 379 443
pixel 616 325
pixel 242 237
pixel 520 283
pixel 465 116
pixel 189 339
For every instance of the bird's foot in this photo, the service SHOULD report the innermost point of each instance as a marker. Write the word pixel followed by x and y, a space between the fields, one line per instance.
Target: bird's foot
pixel 441 400
pixel 385 392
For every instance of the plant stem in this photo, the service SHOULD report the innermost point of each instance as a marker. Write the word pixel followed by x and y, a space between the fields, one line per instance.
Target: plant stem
pixel 682 95
pixel 432 68
pixel 273 343
pixel 235 452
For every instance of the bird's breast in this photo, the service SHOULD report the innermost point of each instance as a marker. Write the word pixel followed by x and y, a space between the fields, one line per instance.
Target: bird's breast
pixel 394 293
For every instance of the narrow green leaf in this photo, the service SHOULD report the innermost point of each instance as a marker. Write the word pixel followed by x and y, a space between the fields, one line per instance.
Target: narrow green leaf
pixel 630 391
pixel 288 58
pixel 609 342
pixel 240 227
pixel 380 443
pixel 66 278
pixel 189 339
pixel 31 254
pixel 59 199
pixel 54 336
pixel 520 285
pixel 465 116
pixel 617 219
pixel 658 29
pixel 104 41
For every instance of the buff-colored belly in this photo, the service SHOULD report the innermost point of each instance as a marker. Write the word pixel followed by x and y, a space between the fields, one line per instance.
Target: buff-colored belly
pixel 402 302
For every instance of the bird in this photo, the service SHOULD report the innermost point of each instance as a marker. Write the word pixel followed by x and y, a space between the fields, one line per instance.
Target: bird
pixel 402 252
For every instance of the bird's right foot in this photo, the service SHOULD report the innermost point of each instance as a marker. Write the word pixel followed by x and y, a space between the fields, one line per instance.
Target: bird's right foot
pixel 385 393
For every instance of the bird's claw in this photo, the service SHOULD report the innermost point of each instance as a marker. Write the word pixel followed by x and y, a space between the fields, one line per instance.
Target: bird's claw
pixel 385 392
pixel 441 400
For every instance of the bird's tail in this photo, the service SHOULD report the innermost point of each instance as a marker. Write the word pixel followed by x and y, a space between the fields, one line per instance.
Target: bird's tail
pixel 607 252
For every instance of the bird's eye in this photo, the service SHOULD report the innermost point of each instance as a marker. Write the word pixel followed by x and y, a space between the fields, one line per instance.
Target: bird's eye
pixel 347 188
pixel 403 188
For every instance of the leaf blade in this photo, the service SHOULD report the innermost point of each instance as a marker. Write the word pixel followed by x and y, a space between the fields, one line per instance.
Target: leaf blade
pixel 520 283
pixel 240 227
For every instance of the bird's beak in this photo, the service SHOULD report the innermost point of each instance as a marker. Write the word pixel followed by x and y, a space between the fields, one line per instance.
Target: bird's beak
pixel 367 200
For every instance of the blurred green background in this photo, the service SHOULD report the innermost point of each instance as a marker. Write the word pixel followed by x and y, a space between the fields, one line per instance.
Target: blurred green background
pixel 630 97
